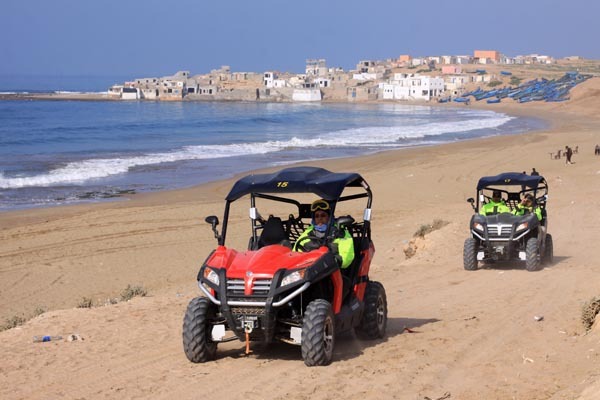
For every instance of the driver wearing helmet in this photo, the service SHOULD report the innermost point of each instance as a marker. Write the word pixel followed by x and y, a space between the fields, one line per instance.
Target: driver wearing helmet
pixel 495 206
pixel 314 236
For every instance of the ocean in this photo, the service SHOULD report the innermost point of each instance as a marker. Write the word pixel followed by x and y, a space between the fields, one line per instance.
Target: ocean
pixel 65 152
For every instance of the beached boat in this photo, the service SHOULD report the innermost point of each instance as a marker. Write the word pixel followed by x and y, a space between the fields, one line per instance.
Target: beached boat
pixel 462 100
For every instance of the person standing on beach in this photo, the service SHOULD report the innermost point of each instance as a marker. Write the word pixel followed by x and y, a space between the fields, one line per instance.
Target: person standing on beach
pixel 597 150
pixel 568 155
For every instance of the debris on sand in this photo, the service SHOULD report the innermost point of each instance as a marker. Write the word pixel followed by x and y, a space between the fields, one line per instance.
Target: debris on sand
pixel 589 312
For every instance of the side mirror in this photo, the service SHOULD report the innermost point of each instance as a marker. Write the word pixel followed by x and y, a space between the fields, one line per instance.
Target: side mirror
pixel 472 202
pixel 213 220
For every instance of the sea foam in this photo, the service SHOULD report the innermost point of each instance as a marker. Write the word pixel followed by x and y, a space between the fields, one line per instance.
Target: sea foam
pixel 79 172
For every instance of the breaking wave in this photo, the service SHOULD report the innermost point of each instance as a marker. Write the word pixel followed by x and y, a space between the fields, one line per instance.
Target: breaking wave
pixel 78 172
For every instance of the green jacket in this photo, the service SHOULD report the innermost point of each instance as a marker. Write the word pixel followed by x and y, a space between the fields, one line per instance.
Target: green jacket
pixel 492 208
pixel 520 210
pixel 344 244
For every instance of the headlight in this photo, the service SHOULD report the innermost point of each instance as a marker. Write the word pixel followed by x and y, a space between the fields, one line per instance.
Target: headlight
pixel 293 277
pixel 522 226
pixel 478 226
pixel 211 276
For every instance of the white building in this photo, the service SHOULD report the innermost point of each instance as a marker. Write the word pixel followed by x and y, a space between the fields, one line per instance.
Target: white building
pixel 308 92
pixel 316 67
pixel 130 93
pixel 366 76
pixel 456 83
pixel 448 59
pixel 268 79
pixel 412 87
pixel 324 82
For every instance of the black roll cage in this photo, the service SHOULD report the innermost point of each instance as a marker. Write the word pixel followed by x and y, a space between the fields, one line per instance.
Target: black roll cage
pixel 303 212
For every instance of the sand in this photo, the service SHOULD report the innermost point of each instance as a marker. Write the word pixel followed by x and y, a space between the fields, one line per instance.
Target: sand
pixel 474 335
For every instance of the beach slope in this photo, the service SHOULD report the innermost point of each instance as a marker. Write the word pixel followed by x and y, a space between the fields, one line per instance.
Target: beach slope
pixel 452 334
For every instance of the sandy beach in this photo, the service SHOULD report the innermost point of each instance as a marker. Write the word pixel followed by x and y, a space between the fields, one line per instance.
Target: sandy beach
pixel 472 334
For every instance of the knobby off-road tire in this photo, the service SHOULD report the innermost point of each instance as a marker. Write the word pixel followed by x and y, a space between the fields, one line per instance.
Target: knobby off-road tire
pixel 549 250
pixel 318 336
pixel 470 254
pixel 374 319
pixel 197 331
pixel 532 254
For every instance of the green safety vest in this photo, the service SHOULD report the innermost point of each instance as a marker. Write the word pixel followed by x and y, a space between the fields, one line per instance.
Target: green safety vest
pixel 345 245
pixel 520 210
pixel 492 208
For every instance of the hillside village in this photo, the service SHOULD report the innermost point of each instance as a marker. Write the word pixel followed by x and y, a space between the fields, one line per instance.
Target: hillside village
pixel 404 78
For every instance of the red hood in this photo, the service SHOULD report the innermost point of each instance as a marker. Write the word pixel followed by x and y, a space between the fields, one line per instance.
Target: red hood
pixel 263 262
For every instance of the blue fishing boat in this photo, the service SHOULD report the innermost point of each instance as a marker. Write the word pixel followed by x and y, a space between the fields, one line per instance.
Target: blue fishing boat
pixel 493 101
pixel 462 100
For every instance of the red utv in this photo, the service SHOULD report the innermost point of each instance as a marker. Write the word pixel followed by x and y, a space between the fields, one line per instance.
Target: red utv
pixel 270 293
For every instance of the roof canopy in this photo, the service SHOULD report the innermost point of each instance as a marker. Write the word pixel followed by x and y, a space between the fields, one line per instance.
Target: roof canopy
pixel 326 184
pixel 512 178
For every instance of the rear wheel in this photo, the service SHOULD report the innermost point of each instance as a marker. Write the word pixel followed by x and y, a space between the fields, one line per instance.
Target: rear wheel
pixel 197 336
pixel 532 254
pixel 549 250
pixel 318 336
pixel 470 254
pixel 374 318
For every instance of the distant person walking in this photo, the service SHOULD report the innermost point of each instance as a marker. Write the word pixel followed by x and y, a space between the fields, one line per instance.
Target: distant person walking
pixel 534 172
pixel 597 150
pixel 568 155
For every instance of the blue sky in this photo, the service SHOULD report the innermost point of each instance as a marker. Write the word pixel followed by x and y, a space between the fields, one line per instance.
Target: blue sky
pixel 152 38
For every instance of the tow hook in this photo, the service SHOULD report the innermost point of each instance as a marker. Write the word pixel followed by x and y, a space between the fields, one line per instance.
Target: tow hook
pixel 248 326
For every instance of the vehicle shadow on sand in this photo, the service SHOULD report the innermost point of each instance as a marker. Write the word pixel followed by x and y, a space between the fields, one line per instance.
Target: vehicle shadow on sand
pixel 520 265
pixel 347 345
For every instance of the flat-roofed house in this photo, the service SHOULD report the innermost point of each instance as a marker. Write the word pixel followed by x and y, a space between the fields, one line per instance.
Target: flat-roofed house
pixel 365 66
pixel 114 92
pixel 486 56
pixel 148 88
pixel 268 78
pixel 463 60
pixel 309 91
pixel 362 93
pixel 316 67
pixel 412 87
pixel 455 84
pixel 130 93
pixel 323 82
pixel 173 87
pixel 451 69
pixel 366 76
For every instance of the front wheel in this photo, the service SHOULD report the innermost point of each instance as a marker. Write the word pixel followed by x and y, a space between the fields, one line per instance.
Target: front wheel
pixel 318 336
pixel 374 318
pixel 532 254
pixel 197 335
pixel 470 254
